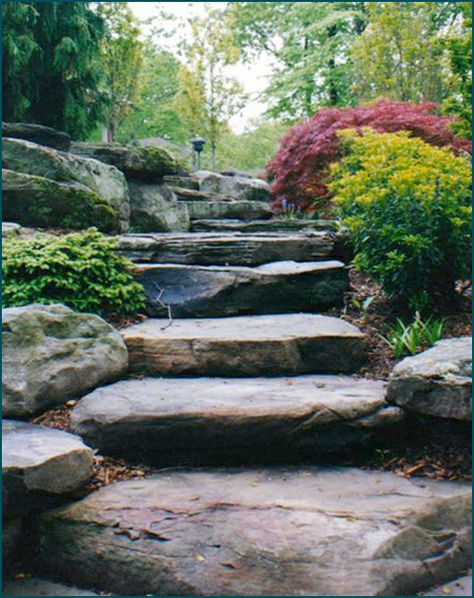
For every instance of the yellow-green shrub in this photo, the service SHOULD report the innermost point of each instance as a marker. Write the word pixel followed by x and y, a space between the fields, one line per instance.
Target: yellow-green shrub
pixel 407 206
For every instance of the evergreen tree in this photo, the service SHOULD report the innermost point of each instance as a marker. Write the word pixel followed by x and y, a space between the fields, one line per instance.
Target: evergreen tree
pixel 51 64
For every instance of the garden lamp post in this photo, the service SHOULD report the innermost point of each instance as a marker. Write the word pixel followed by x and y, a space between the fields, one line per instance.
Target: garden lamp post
pixel 198 145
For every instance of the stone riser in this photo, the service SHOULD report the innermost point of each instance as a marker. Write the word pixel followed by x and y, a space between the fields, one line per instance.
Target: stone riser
pixel 194 291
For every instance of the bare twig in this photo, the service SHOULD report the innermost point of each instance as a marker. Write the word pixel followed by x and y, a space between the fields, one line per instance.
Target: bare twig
pixel 163 305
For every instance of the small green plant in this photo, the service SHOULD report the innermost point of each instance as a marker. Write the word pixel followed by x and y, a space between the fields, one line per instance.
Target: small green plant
pixel 80 270
pixel 411 338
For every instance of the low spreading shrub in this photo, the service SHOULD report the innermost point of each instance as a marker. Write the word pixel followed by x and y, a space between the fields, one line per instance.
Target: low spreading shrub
pixel 80 270
pixel 300 168
pixel 407 206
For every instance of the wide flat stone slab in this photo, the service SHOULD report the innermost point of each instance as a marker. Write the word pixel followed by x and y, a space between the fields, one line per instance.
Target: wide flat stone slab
pixel 458 587
pixel 243 209
pixel 41 587
pixel 245 346
pixel 216 420
pixel 40 463
pixel 271 532
pixel 279 287
pixel 230 249
pixel 253 226
pixel 436 382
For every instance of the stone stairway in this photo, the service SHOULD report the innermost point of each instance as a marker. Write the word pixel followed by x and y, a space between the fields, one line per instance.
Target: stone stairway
pixel 233 396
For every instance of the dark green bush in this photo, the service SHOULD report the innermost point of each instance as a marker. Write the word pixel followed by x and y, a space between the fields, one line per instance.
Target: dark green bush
pixel 80 270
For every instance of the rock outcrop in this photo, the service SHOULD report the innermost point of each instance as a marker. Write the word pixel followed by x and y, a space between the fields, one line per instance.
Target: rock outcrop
pixel 37 134
pixel 235 187
pixel 52 354
pixel 61 185
pixel 437 382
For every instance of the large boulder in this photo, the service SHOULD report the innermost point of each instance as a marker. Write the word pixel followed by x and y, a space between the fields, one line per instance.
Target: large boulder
pixel 236 187
pixel 52 354
pixel 204 421
pixel 154 208
pixel 101 180
pixel 37 134
pixel 437 382
pixel 43 203
pixel 277 532
pixel 143 163
pixel 279 287
pixel 40 464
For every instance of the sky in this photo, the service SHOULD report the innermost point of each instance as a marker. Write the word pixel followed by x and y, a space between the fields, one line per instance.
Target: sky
pixel 253 78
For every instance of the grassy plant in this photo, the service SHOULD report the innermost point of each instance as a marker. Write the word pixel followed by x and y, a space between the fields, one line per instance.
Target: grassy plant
pixel 412 338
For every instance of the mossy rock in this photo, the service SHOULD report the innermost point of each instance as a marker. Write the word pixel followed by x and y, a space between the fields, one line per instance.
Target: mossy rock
pixel 137 163
pixel 40 202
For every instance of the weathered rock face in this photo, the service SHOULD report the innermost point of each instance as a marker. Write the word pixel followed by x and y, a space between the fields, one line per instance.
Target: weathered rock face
pixel 12 545
pixel 458 587
pixel 231 249
pixel 245 346
pixel 41 202
pixel 243 209
pixel 280 287
pixel 236 187
pixel 51 354
pixel 277 532
pixel 256 226
pixel 155 208
pixel 37 134
pixel 203 421
pixel 182 181
pixel 100 179
pixel 13 229
pixel 437 382
pixel 40 463
pixel 142 163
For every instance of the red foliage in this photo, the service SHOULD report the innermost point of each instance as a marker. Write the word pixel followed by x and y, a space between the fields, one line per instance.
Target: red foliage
pixel 300 167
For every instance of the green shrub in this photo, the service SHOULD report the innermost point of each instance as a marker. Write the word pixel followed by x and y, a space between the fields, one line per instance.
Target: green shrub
pixel 407 206
pixel 80 270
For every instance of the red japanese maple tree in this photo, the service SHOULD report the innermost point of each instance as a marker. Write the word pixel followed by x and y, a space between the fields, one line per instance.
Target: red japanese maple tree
pixel 300 167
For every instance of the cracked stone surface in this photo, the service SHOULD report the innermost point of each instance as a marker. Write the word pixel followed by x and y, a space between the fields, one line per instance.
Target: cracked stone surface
pixel 208 420
pixel 245 346
pixel 253 226
pixel 41 587
pixel 271 532
pixel 40 463
pixel 279 287
pixel 231 249
pixel 436 382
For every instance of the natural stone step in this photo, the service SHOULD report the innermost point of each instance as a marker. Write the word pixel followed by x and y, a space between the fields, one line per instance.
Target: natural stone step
pixel 39 463
pixel 245 346
pixel 279 287
pixel 181 181
pixel 231 249
pixel 41 587
pixel 272 225
pixel 184 194
pixel 243 209
pixel 275 532
pixel 203 421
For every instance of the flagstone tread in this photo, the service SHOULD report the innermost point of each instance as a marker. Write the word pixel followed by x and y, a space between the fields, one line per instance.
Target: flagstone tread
pixel 272 225
pixel 217 420
pixel 245 346
pixel 279 287
pixel 231 248
pixel 266 532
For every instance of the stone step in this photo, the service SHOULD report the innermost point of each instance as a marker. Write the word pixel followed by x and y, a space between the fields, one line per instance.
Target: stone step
pixel 231 249
pixel 185 194
pixel 309 531
pixel 207 421
pixel 279 287
pixel 234 208
pixel 41 587
pixel 272 225
pixel 245 346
